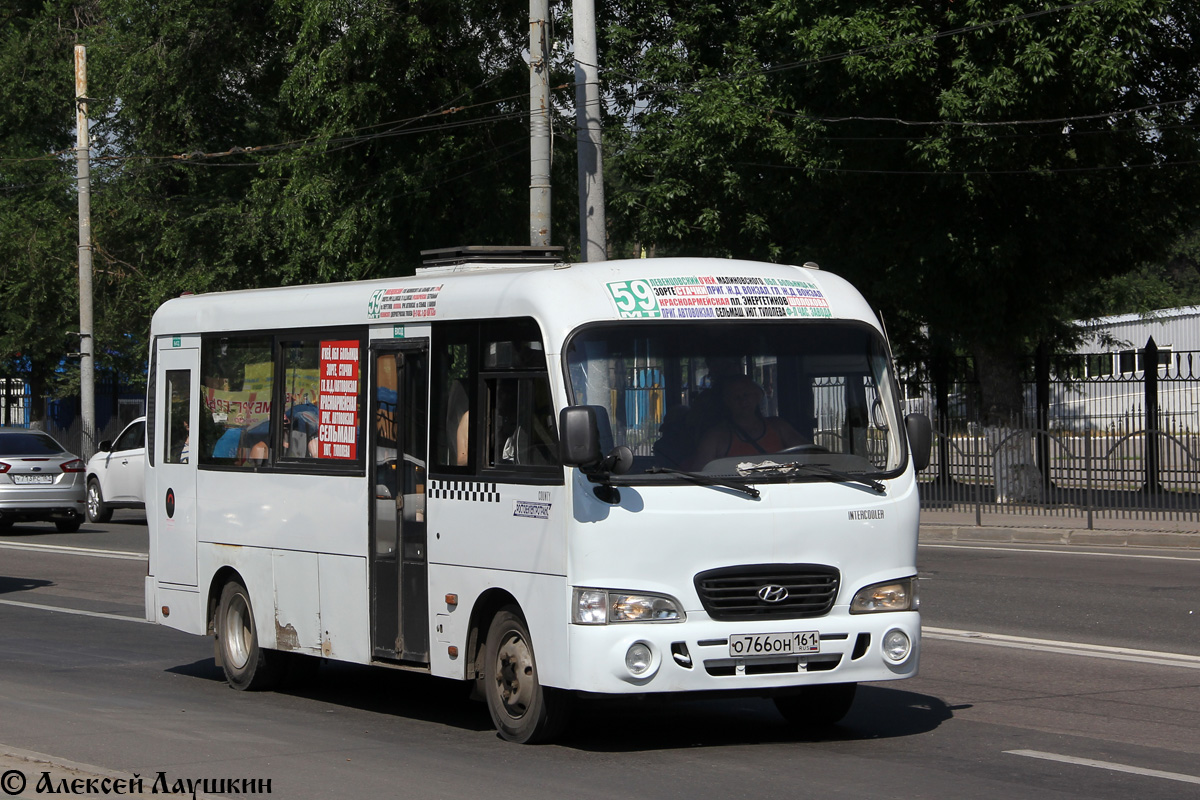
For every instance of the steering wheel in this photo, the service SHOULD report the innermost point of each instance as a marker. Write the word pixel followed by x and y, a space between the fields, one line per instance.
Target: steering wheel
pixel 805 448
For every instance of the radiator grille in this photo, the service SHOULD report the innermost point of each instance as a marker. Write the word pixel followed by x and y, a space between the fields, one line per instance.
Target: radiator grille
pixel 746 592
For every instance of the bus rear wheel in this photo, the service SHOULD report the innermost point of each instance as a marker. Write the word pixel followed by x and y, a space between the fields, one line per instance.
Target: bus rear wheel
pixel 817 706
pixel 522 709
pixel 247 666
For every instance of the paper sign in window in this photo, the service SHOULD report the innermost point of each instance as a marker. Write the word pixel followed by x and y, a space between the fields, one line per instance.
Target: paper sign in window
pixel 338 434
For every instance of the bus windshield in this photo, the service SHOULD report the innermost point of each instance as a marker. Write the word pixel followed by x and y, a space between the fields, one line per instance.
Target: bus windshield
pixel 741 398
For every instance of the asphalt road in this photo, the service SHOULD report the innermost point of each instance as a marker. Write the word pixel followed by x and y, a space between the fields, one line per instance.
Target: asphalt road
pixel 1052 672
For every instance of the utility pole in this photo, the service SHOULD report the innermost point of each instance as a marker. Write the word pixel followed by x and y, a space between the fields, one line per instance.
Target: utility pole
pixel 592 234
pixel 539 124
pixel 87 365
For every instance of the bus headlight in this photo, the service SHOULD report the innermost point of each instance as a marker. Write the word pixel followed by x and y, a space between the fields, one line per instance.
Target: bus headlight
pixel 898 595
pixel 602 606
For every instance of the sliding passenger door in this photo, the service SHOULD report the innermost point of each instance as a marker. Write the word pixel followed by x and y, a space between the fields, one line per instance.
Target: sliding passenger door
pixel 399 569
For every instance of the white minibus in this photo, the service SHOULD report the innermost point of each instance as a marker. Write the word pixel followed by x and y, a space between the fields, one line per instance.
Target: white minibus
pixel 554 480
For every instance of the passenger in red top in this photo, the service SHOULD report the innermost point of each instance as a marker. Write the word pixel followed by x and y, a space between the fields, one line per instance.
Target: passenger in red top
pixel 744 431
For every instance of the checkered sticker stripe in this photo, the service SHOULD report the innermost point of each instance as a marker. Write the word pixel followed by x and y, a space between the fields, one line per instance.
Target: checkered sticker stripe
pixel 471 491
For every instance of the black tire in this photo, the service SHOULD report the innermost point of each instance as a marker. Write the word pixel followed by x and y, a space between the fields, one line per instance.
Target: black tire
pixel 522 710
pixel 97 509
pixel 247 666
pixel 817 706
pixel 68 525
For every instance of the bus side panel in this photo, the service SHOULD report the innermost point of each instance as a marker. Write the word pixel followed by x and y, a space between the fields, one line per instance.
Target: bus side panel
pixel 345 611
pixel 544 601
pixel 253 565
pixel 174 606
pixel 503 526
pixel 297 617
pixel 314 513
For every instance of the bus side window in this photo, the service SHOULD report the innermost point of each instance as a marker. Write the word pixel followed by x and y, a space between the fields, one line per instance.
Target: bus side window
pixel 521 429
pixel 452 378
pixel 179 394
pixel 237 381
pixel 458 424
pixel 520 411
pixel 301 388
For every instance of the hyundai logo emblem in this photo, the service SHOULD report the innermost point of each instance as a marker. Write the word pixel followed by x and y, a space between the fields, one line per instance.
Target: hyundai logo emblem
pixel 772 593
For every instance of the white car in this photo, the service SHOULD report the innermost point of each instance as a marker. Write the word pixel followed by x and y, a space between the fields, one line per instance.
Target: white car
pixel 115 475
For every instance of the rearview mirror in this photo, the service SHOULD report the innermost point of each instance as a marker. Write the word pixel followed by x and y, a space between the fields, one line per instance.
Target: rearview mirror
pixel 580 442
pixel 920 439
pixel 585 431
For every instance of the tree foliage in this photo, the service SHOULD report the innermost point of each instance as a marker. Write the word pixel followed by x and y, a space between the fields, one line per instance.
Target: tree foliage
pixel 38 207
pixel 974 166
pixel 248 143
pixel 979 167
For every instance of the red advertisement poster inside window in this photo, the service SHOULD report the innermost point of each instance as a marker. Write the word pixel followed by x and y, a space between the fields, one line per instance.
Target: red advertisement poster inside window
pixel 338 434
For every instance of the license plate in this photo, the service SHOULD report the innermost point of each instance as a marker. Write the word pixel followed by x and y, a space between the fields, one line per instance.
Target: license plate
pixel 774 644
pixel 27 479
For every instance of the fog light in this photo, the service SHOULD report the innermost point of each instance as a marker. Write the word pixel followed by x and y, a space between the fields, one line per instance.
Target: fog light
pixel 896 645
pixel 638 658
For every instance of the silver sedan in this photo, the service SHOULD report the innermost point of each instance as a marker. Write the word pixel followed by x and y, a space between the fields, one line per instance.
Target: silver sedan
pixel 39 481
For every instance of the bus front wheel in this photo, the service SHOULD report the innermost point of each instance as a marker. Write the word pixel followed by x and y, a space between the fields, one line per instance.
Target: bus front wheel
pixel 817 706
pixel 247 666
pixel 522 709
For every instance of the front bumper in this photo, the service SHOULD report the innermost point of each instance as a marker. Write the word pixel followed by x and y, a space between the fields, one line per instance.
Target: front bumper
pixel 693 656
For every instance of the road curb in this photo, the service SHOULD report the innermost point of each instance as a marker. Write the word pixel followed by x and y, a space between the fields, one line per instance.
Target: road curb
pixel 1070 536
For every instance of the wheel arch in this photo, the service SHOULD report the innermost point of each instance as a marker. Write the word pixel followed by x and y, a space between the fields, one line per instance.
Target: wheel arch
pixel 221 577
pixel 486 606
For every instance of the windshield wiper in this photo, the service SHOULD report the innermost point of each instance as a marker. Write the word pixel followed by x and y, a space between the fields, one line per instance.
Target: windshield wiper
pixel 707 480
pixel 822 470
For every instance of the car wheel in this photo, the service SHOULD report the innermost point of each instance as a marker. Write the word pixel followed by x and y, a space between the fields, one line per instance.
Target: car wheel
pixel 247 666
pixel 68 525
pixel 522 710
pixel 817 706
pixel 97 509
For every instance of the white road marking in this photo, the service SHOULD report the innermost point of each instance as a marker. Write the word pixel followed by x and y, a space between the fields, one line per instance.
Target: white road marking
pixel 1109 765
pixel 1064 648
pixel 1068 552
pixel 123 555
pixel 76 611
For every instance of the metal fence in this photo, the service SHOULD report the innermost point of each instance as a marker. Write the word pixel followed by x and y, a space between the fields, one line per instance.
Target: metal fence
pixel 116 406
pixel 1094 450
pixel 14 402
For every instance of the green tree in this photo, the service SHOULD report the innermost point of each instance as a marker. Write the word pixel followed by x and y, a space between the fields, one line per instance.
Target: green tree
pixel 242 144
pixel 974 166
pixel 1172 281
pixel 39 287
pixel 312 140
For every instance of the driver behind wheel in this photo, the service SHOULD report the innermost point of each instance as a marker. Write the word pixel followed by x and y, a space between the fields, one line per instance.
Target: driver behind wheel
pixel 743 430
